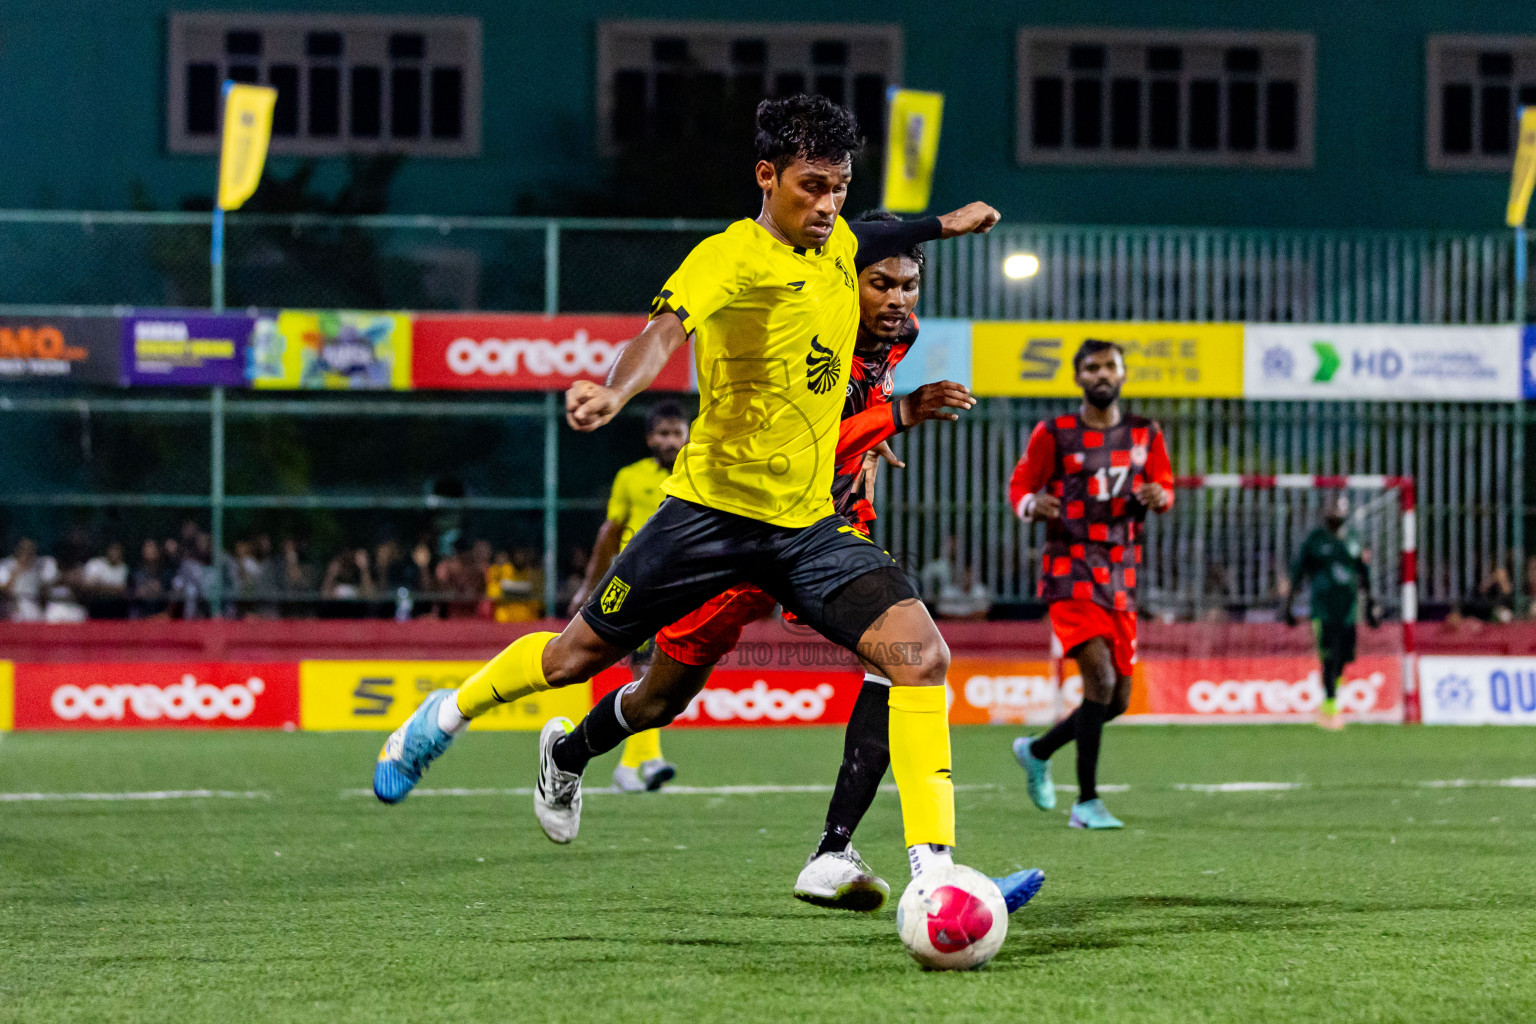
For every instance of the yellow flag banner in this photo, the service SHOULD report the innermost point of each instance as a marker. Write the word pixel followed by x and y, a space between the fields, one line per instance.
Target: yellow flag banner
pixel 247 129
pixel 1162 360
pixel 911 148
pixel 1524 175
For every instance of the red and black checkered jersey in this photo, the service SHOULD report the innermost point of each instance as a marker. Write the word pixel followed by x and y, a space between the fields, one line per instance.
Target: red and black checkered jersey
pixel 868 419
pixel 1092 550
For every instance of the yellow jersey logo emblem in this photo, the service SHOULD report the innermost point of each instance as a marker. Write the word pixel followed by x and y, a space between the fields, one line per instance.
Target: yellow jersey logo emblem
pixel 614 595
pixel 821 369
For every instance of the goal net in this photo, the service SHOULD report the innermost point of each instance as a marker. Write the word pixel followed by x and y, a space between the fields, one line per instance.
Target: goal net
pixel 1213 585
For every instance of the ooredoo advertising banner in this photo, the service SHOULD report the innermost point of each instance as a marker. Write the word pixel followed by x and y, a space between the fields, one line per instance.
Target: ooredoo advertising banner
pixel 1478 691
pixel 1382 362
pixel 379 695
pixel 78 349
pixel 528 353
pixel 748 697
pixel 156 695
pixel 1270 689
pixel 173 349
pixel 1162 360
pixel 332 350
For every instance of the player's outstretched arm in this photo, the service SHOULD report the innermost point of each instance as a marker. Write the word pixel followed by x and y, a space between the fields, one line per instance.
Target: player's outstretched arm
pixel 589 406
pixel 970 219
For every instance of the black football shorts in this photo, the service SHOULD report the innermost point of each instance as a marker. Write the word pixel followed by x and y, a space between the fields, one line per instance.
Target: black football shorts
pixel 829 574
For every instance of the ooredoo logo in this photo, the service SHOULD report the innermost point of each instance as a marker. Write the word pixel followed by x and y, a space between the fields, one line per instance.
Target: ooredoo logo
pixel 1279 696
pixel 177 702
pixel 150 695
pixel 759 702
pixel 575 356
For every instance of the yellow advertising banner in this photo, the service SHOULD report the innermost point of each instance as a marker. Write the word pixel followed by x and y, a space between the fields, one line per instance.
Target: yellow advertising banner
pixel 911 148
pixel 1523 177
pixel 247 131
pixel 7 695
pixel 379 695
pixel 1162 360
pixel 337 350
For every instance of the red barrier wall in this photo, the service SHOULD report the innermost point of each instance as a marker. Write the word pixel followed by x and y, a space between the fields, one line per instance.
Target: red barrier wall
pixel 785 646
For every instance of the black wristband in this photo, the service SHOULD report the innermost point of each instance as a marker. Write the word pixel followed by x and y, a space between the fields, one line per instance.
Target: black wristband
pixel 896 416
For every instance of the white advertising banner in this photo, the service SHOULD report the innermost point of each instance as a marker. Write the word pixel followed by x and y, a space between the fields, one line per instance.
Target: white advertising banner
pixel 1478 691
pixel 1381 362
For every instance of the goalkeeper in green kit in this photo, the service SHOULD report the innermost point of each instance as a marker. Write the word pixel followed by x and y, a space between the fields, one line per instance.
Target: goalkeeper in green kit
pixel 1333 560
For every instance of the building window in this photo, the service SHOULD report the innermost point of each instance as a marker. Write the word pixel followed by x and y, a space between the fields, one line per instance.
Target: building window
pixel 1221 99
pixel 1477 85
pixel 660 79
pixel 344 84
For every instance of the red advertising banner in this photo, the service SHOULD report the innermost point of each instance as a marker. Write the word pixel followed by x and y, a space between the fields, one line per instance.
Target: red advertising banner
pixel 511 352
pixel 1235 689
pixel 157 695
pixel 743 697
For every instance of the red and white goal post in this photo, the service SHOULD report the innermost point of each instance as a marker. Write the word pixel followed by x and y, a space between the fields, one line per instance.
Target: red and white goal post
pixel 1262 533
pixel 1408 549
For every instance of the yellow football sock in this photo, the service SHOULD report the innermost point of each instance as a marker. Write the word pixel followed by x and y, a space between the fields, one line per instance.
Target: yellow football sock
pixel 514 673
pixel 642 747
pixel 919 738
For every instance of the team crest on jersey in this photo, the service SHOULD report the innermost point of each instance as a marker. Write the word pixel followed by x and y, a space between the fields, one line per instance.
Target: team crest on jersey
pixel 1139 454
pixel 821 370
pixel 847 277
pixel 613 596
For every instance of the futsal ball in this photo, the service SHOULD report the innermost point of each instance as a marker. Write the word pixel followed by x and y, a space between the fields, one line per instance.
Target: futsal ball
pixel 952 918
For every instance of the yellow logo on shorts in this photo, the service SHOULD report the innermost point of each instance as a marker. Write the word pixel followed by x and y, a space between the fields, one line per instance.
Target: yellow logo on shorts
pixel 613 597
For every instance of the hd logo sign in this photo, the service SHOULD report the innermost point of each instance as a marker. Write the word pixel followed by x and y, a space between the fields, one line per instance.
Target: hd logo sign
pixel 379 695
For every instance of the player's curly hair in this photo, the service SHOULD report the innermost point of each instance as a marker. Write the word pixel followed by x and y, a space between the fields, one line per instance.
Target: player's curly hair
pixel 807 128
pixel 912 252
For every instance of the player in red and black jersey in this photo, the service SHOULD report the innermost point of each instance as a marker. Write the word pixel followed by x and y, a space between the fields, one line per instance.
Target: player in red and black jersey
pixel 1092 476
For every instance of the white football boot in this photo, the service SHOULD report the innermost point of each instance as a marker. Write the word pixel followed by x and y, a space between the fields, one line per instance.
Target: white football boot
pixel 557 797
pixel 841 881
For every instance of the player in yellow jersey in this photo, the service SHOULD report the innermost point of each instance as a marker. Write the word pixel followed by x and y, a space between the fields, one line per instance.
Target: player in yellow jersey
pixel 773 307
pixel 635 496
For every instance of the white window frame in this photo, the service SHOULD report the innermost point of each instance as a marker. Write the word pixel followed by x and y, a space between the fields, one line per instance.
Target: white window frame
pixel 1106 156
pixel 890 35
pixel 179 140
pixel 1435 157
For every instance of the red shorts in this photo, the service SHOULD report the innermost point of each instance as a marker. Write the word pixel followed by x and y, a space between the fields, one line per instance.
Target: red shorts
pixel 710 632
pixel 1076 622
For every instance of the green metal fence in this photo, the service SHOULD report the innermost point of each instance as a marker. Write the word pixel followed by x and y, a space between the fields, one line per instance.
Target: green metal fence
pixel 70 258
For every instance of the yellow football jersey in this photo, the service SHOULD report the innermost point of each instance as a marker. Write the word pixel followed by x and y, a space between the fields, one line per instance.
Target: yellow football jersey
pixel 636 496
pixel 774 327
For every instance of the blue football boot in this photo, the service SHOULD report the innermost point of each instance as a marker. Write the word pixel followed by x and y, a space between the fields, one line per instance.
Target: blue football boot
pixel 410 749
pixel 1037 772
pixel 1020 887
pixel 1092 814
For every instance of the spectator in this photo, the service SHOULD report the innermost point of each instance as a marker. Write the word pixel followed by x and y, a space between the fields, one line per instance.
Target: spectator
pixel 571 584
pixel 968 599
pixel 456 578
pixel 939 573
pixel 26 579
pixel 150 583
pixel 104 584
pixel 509 586
pixel 1495 599
pixel 194 575
pixel 242 571
pixel 349 576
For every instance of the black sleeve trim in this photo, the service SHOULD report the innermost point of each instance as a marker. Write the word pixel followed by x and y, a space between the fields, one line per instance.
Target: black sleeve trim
pixel 882 239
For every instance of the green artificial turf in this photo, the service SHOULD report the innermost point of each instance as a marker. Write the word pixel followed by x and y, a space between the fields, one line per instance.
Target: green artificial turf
pixel 1362 896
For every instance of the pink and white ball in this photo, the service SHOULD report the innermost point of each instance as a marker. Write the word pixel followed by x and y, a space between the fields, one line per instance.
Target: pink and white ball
pixel 952 918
